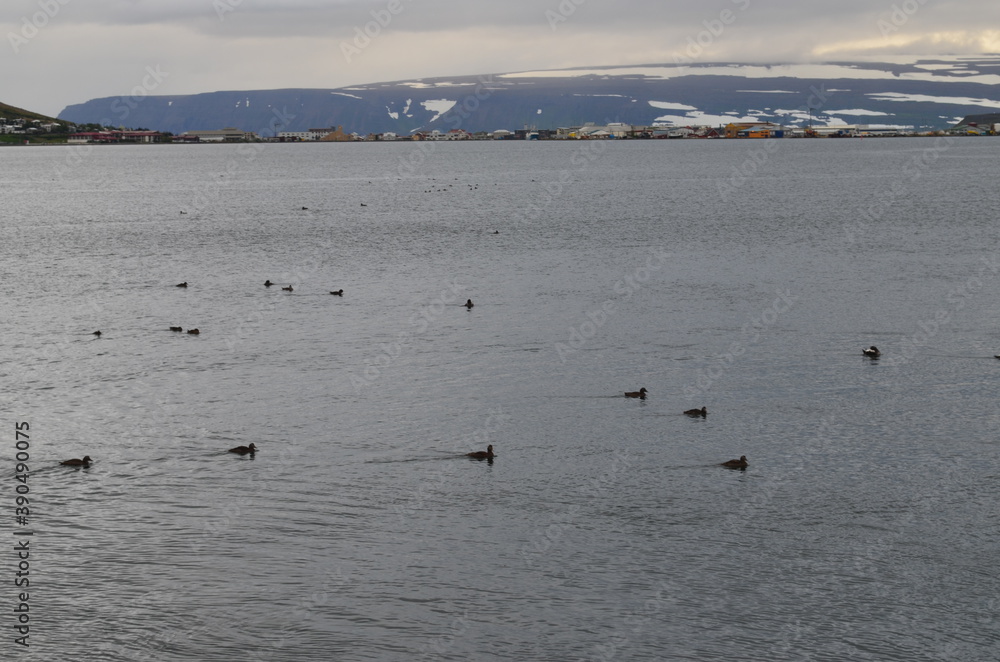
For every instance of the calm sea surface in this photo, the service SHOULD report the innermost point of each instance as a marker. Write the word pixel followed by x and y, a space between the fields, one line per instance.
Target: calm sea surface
pixel 742 276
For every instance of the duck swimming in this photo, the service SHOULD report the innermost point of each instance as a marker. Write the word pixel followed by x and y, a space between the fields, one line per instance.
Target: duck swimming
pixel 288 289
pixel 469 304
pixel 338 293
pixel 736 464
pixel 194 332
pixel 268 283
pixel 243 450
pixel 482 455
pixel 184 284
pixel 697 412
pixel 176 328
pixel 641 394
pixel 85 462
pixel 96 333
pixel 872 352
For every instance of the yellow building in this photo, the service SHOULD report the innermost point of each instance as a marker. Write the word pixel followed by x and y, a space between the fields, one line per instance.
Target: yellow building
pixel 337 136
pixel 754 130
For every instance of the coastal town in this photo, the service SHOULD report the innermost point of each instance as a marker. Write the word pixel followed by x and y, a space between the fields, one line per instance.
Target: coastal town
pixel 55 132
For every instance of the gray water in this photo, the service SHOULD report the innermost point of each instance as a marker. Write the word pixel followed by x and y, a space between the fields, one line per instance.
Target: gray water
pixel 742 277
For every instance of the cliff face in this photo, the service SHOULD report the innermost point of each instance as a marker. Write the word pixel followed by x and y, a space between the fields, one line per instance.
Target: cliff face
pixel 925 94
pixel 984 120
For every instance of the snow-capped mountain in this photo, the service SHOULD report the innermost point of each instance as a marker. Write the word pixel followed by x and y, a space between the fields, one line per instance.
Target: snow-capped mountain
pixel 918 93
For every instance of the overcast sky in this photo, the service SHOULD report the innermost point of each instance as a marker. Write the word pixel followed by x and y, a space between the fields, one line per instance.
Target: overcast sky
pixel 60 52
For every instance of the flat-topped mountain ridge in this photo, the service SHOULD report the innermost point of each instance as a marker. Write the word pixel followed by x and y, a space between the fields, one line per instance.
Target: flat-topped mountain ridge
pixel 931 93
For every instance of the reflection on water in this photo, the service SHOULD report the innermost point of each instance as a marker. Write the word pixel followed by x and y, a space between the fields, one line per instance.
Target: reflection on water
pixel 605 527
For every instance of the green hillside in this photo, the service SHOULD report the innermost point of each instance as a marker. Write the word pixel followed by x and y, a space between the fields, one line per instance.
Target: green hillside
pixel 12 113
pixel 19 126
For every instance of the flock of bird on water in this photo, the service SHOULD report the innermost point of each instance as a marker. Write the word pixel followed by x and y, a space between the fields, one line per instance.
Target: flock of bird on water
pixel 871 352
pixel 694 413
pixel 251 449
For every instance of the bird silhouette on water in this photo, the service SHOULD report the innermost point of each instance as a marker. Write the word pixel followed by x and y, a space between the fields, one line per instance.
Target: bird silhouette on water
pixel 736 464
pixel 482 455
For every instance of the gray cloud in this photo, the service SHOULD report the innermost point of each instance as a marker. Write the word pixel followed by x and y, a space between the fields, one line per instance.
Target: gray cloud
pixel 89 48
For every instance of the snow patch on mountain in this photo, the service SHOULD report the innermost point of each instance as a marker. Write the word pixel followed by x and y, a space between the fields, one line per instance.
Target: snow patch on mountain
pixel 669 105
pixel 961 101
pixel 439 106
pixel 823 71
pixel 856 111
pixel 699 118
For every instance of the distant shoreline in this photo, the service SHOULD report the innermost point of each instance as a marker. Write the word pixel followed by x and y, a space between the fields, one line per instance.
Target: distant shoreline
pixel 571 141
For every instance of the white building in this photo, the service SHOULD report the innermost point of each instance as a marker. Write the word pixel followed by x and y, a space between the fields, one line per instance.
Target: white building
pixel 312 135
pixel 227 135
pixel 454 134
pixel 293 136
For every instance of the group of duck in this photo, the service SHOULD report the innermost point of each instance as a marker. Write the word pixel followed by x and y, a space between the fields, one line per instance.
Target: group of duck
pixel 289 288
pixel 475 455
pixel 251 449
pixel 871 352
pixel 267 283
pixel 85 462
pixel 694 413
